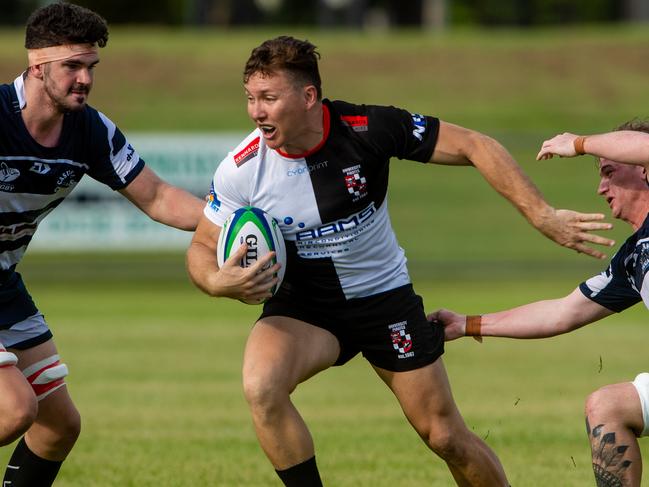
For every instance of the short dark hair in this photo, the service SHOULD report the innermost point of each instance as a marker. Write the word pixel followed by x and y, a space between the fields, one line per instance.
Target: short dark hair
pixel 636 125
pixel 63 23
pixel 299 58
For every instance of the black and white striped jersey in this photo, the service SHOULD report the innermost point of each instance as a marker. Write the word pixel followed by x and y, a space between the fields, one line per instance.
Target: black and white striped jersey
pixel 626 280
pixel 35 179
pixel 330 202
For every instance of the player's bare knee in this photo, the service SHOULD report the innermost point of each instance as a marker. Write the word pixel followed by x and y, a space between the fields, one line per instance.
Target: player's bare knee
pixel 262 394
pixel 17 421
pixel 446 444
pixel 600 405
pixel 69 427
pixel 20 414
pixel 67 432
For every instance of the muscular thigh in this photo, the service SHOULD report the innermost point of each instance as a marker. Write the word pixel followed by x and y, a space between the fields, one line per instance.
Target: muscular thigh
pixel 285 351
pixel 424 394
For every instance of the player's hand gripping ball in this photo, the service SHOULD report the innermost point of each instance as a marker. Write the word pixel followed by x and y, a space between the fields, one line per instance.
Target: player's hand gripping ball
pixel 261 232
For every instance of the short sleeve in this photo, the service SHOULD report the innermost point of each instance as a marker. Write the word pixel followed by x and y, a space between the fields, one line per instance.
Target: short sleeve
pixel 612 288
pixel 389 131
pixel 224 197
pixel 114 161
pixel 402 134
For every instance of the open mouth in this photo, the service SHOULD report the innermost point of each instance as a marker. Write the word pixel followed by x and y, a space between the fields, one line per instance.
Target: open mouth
pixel 268 130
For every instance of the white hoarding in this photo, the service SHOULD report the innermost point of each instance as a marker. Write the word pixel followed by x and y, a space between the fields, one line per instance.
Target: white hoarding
pixel 94 217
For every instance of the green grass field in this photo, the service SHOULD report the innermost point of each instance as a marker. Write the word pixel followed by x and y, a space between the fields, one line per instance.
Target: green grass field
pixel 155 371
pixel 155 365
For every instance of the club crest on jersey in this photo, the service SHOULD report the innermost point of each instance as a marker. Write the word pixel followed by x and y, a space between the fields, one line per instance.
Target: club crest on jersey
pixel 401 341
pixel 40 168
pixel 358 123
pixel 419 123
pixel 355 182
pixel 248 152
pixel 8 174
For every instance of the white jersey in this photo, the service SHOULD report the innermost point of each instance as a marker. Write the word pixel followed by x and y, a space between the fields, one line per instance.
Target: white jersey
pixel 330 203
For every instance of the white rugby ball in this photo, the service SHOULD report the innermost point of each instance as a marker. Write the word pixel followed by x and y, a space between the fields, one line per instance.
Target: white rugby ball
pixel 260 231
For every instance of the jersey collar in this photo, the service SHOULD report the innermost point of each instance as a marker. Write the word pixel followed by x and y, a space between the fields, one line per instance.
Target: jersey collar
pixel 19 86
pixel 325 125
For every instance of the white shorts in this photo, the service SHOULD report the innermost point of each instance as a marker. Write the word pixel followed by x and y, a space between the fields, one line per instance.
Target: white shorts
pixel 27 333
pixel 641 384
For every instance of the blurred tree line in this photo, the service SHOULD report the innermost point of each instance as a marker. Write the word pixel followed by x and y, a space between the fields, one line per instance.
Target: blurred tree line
pixel 350 13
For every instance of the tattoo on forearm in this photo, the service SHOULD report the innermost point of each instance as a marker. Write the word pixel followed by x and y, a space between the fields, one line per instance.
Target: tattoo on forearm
pixel 609 465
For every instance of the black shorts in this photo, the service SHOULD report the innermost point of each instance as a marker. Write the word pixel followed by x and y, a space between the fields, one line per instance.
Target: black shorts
pixel 16 304
pixel 390 328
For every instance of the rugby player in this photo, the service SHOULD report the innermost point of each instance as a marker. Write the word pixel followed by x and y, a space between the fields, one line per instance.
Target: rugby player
pixel 320 167
pixel 619 413
pixel 50 138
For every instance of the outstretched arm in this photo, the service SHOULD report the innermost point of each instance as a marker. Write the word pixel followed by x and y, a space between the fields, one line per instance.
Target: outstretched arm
pixel 541 319
pixel 625 146
pixel 163 202
pixel 460 146
pixel 251 284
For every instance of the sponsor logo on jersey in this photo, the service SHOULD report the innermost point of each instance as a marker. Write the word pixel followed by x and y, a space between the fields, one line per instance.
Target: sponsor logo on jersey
pixel 247 153
pixel 131 151
pixel 213 200
pixel 401 340
pixel 355 182
pixel 419 123
pixel 66 179
pixel 341 225
pixel 40 168
pixel 358 123
pixel 307 169
pixel 8 174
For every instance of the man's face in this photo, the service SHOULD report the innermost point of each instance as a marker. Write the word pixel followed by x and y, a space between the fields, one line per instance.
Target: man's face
pixel 68 82
pixel 278 107
pixel 623 186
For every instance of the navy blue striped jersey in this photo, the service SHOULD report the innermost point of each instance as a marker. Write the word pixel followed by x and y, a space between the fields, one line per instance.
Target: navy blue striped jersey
pixel 331 203
pixel 35 179
pixel 625 282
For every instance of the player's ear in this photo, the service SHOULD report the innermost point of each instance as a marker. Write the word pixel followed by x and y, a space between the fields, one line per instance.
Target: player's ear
pixel 37 70
pixel 310 95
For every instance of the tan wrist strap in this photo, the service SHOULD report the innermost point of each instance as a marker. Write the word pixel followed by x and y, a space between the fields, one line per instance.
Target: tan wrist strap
pixel 473 327
pixel 579 145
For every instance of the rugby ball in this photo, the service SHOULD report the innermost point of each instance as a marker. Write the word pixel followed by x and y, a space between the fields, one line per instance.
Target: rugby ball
pixel 260 231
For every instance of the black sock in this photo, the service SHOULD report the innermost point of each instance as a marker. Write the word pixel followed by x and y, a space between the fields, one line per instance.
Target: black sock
pixel 303 474
pixel 26 469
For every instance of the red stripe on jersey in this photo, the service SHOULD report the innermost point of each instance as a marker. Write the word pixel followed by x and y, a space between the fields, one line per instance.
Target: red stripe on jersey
pixel 325 127
pixel 249 151
pixel 354 120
